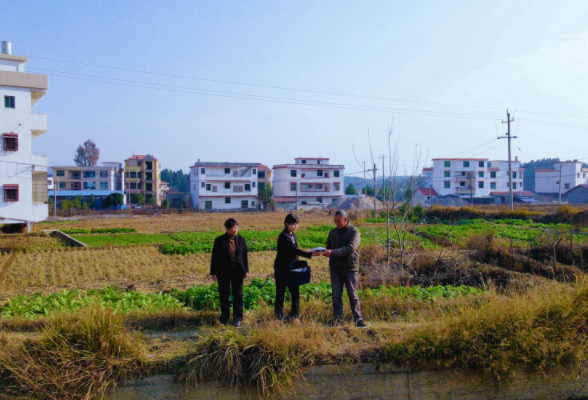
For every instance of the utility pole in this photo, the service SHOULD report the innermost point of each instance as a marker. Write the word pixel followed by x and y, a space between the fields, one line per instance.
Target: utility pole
pixel 374 171
pixel 55 184
pixel 296 183
pixel 508 121
pixel 560 165
pixel 357 186
pixel 471 190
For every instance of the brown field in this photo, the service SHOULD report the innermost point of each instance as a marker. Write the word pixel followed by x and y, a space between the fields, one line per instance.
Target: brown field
pixel 142 266
pixel 186 222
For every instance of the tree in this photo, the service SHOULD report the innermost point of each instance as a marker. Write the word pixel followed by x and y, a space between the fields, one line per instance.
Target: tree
pixel 266 193
pixel 87 155
pixel 152 201
pixel 350 189
pixel 177 180
pixel 66 205
pixel 91 201
pixel 165 204
pixel 369 191
pixel 113 199
pixel 138 198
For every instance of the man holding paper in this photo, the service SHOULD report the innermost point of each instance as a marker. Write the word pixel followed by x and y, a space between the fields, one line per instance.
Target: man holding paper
pixel 343 252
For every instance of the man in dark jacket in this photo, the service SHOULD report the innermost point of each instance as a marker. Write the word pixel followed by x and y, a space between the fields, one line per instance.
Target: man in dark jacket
pixel 229 266
pixel 343 252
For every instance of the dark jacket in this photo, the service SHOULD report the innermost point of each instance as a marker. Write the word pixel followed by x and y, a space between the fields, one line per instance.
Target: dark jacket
pixel 221 256
pixel 344 243
pixel 288 251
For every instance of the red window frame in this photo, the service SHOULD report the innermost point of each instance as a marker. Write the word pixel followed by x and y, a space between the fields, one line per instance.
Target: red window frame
pixel 10 141
pixel 11 198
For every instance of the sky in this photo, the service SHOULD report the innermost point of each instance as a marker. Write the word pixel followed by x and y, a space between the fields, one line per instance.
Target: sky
pixel 268 81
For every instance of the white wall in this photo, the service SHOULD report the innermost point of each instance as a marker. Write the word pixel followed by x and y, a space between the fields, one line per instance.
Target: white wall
pixel 216 177
pixel 572 175
pixel 282 180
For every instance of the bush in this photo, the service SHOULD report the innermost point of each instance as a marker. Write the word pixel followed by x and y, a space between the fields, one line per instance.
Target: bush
pixel 165 204
pixel 113 200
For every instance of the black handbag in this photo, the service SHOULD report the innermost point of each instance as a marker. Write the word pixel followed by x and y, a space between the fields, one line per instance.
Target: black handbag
pixel 299 273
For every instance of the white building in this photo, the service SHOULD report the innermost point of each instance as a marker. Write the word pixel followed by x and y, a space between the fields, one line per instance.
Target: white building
pixel 23 176
pixel 99 181
pixel 308 183
pixel 224 186
pixel 562 177
pixel 477 178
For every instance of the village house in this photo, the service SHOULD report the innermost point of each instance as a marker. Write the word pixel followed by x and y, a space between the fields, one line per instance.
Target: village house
pixel 23 198
pixel 550 183
pixel 143 175
pixel 224 185
pixel 308 183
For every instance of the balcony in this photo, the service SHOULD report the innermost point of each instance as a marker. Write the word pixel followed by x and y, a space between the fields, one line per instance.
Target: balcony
pixel 38 123
pixel 464 189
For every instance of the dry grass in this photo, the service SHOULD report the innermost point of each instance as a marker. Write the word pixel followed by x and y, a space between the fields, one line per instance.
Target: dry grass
pixel 188 222
pixel 142 266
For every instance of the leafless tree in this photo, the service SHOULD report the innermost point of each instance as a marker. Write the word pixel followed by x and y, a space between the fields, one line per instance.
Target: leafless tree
pixel 87 155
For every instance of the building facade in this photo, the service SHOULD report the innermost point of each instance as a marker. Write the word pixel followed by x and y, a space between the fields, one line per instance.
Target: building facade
pixel 23 197
pixel 143 175
pixel 224 186
pixel 472 178
pixel 97 181
pixel 308 183
pixel 265 186
pixel 563 177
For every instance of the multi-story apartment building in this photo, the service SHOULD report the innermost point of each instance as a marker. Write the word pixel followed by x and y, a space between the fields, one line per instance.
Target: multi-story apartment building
pixel 224 186
pixel 564 176
pixel 264 181
pixel 143 175
pixel 479 179
pixel 308 183
pixel 99 181
pixel 23 176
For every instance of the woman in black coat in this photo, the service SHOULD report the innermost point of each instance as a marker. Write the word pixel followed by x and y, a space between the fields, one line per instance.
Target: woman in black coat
pixel 288 252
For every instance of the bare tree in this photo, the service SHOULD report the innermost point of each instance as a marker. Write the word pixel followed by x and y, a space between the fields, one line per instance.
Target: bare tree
pixel 87 155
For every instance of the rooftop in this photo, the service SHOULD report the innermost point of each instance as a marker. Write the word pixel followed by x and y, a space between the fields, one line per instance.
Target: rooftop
pixel 460 159
pixel 224 164
pixel 147 157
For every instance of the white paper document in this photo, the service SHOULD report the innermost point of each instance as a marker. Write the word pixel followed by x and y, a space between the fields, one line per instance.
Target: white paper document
pixel 317 249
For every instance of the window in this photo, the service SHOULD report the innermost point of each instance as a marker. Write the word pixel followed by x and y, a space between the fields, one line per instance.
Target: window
pixel 261 186
pixel 10 193
pixel 481 185
pixel 557 182
pixel 60 173
pixel 202 185
pixel 481 164
pixel 514 185
pixel 89 174
pixel 446 174
pixel 227 170
pixel 252 203
pixel 336 174
pixel 462 184
pixel 293 173
pixel 318 162
pixel 133 185
pixel 139 185
pixel 89 185
pixel 319 172
pixel 303 202
pixel 584 175
pixel 214 189
pixel 261 174
pixel 514 175
pixel 466 164
pixel 492 185
pixel 208 186
pixel 446 185
pixel 76 186
pixel 134 175
pixel 9 102
pixel 447 164
pixel 149 187
pixel 493 174
pixel 237 188
pixel 148 176
pixel 103 174
pixel 567 185
pixel 10 141
pixel 227 185
pixel 227 200
pixel 336 186
pixel 208 205
pixel 103 185
pixel 489 164
pixel 253 184
pixel 293 187
pixel 319 199
pixel 303 161
pixel 61 185
pixel 203 171
pixel 254 171
pixel 481 174
pixel 148 165
pixel 244 203
pixel 247 187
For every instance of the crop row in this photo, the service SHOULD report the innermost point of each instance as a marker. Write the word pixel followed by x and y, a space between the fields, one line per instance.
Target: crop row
pixel 97 230
pixel 259 292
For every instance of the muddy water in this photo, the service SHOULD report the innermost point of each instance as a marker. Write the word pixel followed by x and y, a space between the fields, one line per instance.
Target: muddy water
pixel 371 381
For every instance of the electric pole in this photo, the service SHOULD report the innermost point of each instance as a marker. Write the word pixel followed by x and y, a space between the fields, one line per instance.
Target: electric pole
pixel 508 121
pixel 357 186
pixel 471 190
pixel 560 165
pixel 374 171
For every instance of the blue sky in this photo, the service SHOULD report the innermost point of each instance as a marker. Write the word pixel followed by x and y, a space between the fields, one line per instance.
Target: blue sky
pixel 487 55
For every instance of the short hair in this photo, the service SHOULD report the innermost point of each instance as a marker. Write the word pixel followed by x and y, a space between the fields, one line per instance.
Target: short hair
pixel 291 219
pixel 342 214
pixel 229 223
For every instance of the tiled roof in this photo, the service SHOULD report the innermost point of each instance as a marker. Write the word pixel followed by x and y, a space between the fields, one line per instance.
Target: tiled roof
pixel 263 167
pixel 582 186
pixel 522 193
pixel 142 157
pixel 427 191
pixel 545 170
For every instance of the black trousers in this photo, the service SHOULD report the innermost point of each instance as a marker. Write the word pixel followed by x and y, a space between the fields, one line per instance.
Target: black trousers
pixel 231 282
pixel 281 285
